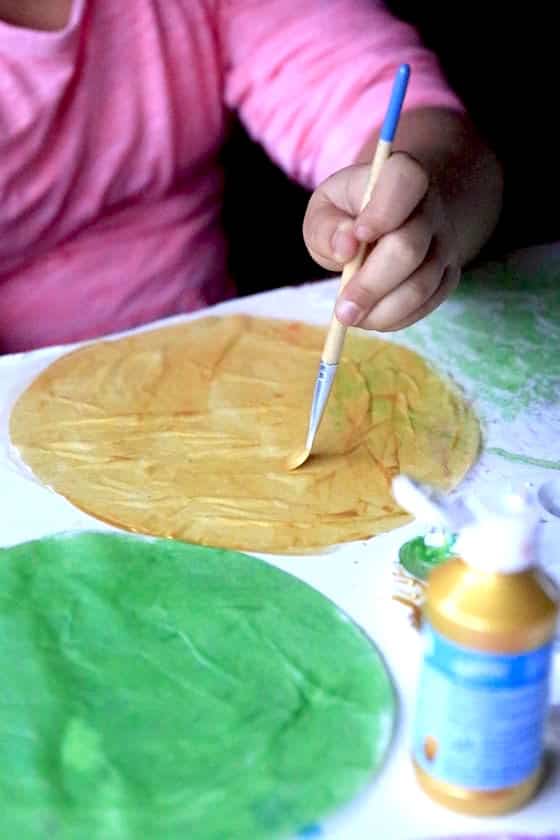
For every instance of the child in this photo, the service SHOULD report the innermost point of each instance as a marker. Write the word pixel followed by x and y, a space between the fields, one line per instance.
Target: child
pixel 112 116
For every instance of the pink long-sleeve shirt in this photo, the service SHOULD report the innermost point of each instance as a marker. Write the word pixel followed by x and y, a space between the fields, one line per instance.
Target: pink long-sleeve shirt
pixel 110 185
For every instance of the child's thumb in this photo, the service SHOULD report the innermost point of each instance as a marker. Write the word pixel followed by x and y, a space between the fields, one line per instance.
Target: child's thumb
pixel 328 233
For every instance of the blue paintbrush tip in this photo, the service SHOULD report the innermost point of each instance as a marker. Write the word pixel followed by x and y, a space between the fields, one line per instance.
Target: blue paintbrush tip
pixel 389 127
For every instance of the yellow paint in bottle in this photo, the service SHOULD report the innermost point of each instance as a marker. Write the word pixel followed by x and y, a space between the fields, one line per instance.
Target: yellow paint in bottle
pixel 489 621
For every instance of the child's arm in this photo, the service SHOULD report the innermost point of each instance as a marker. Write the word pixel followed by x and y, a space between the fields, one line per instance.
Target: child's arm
pixel 434 207
pixel 311 80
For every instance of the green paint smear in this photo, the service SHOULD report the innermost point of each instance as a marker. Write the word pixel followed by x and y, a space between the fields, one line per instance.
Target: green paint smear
pixel 420 559
pixel 157 689
pixel 501 329
pixel 524 459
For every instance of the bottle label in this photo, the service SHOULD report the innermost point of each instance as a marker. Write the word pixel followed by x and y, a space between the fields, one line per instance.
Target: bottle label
pixel 480 716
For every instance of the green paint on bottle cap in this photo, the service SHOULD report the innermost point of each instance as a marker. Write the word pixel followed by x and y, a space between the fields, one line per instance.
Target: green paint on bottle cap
pixel 419 559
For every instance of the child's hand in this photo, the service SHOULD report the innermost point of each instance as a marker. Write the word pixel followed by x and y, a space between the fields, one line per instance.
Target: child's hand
pixel 414 263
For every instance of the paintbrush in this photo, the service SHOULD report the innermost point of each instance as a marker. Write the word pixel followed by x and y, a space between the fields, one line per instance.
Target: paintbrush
pixel 334 341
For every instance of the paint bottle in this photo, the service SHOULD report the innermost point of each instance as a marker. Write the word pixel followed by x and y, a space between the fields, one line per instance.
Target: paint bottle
pixel 489 620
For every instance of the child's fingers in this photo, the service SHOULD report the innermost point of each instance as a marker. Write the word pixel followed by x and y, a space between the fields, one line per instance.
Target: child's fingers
pixel 328 233
pixel 396 257
pixel 346 188
pixel 391 314
pixel 329 220
pixel 331 230
pixel 401 186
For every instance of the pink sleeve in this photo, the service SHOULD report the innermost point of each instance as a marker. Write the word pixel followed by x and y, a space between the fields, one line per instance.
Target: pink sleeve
pixel 311 78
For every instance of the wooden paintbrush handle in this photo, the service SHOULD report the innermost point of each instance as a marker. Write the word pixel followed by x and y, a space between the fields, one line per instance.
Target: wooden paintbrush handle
pixel 334 341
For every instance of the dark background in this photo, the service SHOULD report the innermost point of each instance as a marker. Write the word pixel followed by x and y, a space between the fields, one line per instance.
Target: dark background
pixel 504 68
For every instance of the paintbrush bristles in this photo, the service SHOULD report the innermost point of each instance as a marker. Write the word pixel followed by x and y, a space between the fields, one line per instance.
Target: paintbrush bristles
pixel 297 459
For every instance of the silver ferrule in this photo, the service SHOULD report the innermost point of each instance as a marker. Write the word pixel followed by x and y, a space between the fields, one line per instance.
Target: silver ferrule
pixel 321 392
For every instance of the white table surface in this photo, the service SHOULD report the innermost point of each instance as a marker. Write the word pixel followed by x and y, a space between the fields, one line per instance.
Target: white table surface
pixel 357 576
